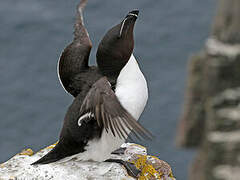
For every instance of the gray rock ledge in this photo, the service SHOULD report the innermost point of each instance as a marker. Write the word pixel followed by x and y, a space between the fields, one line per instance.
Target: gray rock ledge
pixel 19 168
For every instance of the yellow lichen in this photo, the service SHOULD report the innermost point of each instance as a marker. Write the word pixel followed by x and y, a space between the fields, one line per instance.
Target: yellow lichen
pixel 171 176
pixel 52 146
pixel 141 161
pixel 28 152
pixel 149 172
pixel 151 169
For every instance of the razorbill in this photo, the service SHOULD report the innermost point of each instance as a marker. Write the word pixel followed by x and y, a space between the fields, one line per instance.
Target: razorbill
pixel 108 98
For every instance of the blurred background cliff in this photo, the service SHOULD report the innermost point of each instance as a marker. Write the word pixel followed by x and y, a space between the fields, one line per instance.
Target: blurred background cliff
pixel 33 103
pixel 211 117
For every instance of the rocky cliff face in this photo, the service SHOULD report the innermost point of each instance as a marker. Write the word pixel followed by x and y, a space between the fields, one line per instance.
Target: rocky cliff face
pixel 211 117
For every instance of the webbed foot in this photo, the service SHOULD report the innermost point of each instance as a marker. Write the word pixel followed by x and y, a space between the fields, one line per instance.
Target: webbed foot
pixel 131 168
pixel 119 151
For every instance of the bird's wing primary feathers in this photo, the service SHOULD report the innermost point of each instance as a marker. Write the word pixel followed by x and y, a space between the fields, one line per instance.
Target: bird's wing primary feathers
pixel 74 58
pixel 102 103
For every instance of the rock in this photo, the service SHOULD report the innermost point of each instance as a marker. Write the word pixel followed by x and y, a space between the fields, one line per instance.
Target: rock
pixel 18 167
pixel 215 47
pixel 221 143
pixel 211 116
pixel 192 121
pixel 208 76
pixel 211 71
pixel 226 172
pixel 226 25
pixel 223 112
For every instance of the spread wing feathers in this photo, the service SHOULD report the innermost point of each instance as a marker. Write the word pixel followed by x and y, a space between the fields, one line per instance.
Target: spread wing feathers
pixel 102 102
pixel 74 58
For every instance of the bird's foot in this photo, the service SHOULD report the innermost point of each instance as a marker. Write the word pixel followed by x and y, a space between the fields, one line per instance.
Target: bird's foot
pixel 119 151
pixel 131 168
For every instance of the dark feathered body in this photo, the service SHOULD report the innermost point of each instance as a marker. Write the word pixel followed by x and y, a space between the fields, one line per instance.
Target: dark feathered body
pixel 83 133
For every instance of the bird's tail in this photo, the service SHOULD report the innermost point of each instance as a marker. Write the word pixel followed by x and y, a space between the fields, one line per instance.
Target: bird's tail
pixel 52 156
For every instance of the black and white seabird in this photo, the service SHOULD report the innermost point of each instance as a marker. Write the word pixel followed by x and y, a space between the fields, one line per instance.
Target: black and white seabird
pixel 108 98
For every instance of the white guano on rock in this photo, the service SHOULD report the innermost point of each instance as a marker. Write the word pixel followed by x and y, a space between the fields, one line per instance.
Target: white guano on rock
pixel 216 47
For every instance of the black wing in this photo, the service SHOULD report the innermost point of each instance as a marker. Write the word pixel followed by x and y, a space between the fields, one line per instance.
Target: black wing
pixel 74 58
pixel 102 104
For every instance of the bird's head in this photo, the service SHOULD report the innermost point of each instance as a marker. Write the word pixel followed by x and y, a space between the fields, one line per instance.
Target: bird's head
pixel 117 46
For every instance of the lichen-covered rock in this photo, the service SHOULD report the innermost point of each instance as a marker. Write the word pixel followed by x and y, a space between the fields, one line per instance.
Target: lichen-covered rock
pixel 19 167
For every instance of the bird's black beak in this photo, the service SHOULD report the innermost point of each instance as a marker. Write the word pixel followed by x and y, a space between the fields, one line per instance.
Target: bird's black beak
pixel 128 20
pixel 133 13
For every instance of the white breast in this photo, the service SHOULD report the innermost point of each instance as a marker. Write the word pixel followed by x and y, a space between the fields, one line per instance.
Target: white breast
pixel 131 88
